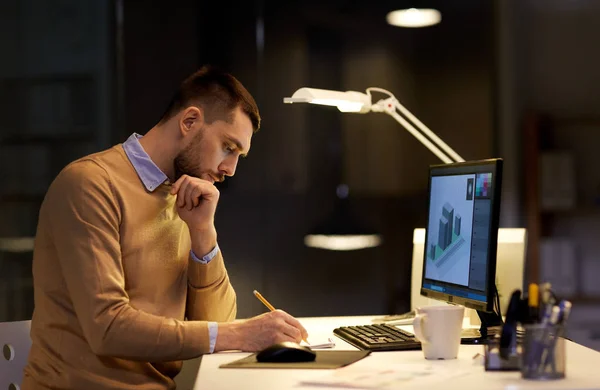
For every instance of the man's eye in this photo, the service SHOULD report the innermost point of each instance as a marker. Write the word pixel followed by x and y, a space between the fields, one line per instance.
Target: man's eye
pixel 228 148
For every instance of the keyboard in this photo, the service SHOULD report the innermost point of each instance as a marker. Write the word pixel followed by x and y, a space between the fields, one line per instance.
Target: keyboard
pixel 378 337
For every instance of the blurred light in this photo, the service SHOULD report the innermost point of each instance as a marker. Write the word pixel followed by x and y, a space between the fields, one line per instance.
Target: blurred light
pixel 342 191
pixel 414 17
pixel 16 244
pixel 342 242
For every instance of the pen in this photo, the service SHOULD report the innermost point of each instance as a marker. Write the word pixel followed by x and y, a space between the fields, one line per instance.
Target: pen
pixel 546 297
pixel 548 341
pixel 547 311
pixel 269 306
pixel 564 308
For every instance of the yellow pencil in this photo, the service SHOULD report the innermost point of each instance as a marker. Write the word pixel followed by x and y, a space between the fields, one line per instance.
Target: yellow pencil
pixel 268 305
pixel 263 300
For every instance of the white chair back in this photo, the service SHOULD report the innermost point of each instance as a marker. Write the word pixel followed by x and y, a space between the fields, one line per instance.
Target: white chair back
pixel 15 343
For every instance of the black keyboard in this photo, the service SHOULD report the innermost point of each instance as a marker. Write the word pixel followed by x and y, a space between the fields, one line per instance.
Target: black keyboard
pixel 378 337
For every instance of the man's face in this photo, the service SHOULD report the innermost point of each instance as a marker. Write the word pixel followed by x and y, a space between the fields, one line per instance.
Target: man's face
pixel 214 151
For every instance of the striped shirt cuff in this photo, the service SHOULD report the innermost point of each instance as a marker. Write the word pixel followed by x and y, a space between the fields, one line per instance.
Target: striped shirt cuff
pixel 213 329
pixel 206 258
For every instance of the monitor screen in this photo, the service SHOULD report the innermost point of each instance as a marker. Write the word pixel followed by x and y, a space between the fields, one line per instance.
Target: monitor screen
pixel 459 264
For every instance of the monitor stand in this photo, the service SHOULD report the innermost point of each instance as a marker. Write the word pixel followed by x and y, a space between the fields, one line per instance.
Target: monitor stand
pixel 491 324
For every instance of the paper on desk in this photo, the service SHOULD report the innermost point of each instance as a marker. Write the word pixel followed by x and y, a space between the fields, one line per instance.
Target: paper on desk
pixel 319 344
pixel 400 376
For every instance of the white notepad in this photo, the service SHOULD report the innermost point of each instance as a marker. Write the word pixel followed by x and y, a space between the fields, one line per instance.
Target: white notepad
pixel 319 344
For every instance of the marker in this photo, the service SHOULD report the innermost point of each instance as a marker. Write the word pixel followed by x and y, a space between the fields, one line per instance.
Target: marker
pixel 533 302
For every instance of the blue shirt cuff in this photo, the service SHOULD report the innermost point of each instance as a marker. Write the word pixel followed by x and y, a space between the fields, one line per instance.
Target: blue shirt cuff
pixel 213 329
pixel 206 258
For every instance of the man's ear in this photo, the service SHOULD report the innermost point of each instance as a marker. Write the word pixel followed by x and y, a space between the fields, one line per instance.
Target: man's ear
pixel 191 118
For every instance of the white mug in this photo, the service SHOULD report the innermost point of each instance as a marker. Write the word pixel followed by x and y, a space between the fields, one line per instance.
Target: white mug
pixel 438 329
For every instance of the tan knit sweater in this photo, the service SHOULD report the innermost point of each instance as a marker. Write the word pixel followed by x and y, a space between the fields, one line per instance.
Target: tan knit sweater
pixel 113 282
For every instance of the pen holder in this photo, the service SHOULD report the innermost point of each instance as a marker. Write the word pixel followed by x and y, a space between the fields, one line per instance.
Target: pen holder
pixel 543 352
pixel 495 360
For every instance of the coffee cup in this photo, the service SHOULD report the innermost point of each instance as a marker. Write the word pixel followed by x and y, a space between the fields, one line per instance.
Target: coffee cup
pixel 438 328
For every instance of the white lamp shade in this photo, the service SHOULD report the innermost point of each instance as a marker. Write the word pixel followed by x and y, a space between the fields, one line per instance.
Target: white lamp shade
pixel 349 101
pixel 414 17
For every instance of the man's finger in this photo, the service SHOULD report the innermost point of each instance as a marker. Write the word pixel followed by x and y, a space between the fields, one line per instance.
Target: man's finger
pixel 181 193
pixel 289 338
pixel 292 332
pixel 198 189
pixel 296 324
pixel 189 195
pixel 177 184
pixel 196 194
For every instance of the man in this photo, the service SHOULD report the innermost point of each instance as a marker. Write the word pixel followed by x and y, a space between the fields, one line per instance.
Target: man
pixel 128 277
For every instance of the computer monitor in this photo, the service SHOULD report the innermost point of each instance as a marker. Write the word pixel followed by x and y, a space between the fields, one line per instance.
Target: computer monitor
pixel 459 263
pixel 510 266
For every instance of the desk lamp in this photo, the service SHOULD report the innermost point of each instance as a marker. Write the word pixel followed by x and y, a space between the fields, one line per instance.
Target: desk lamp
pixel 358 102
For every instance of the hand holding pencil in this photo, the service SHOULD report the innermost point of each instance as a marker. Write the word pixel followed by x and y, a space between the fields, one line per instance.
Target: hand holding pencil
pixel 272 308
pixel 259 332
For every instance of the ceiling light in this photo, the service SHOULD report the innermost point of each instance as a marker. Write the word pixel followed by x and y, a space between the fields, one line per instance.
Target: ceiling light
pixel 343 231
pixel 414 17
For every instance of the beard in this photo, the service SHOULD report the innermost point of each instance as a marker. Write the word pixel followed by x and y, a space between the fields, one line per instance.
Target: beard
pixel 187 161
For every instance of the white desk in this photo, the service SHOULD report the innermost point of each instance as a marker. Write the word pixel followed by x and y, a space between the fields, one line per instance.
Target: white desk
pixel 583 366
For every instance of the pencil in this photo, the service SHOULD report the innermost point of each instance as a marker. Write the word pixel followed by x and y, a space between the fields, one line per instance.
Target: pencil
pixel 268 305
pixel 263 300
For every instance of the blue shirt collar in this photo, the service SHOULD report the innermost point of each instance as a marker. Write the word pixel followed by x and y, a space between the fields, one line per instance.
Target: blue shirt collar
pixel 149 173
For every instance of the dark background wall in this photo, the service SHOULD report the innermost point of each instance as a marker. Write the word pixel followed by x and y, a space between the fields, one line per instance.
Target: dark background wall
pixel 77 77
pixel 444 74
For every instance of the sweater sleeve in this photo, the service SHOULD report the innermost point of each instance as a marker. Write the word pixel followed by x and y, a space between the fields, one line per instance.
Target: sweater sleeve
pixel 211 296
pixel 85 218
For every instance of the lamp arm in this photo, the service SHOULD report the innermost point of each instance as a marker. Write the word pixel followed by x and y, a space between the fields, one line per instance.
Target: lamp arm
pixel 391 104
pixel 428 132
pixel 428 144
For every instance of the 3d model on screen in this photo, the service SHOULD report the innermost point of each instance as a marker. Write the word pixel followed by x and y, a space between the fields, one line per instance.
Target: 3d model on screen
pixel 449 238
pixel 451 228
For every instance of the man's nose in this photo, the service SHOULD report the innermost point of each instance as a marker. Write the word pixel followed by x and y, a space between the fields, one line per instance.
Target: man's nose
pixel 228 167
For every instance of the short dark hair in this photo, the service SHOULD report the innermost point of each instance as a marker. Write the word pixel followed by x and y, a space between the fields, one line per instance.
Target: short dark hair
pixel 218 94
